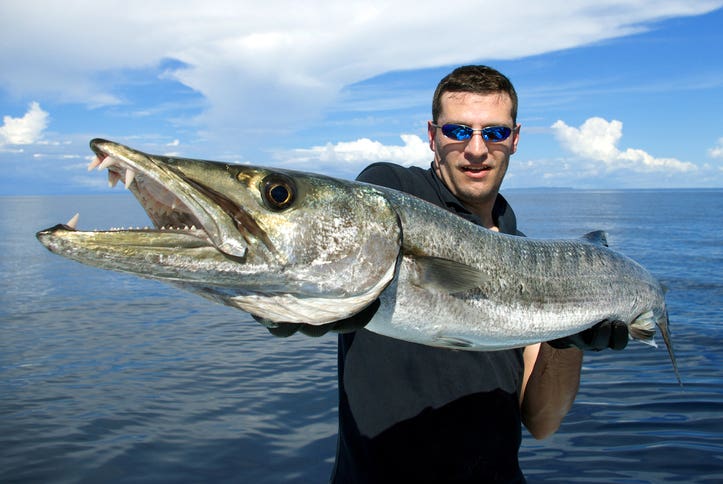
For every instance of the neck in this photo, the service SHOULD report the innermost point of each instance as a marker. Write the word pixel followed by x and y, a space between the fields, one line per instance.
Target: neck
pixel 485 214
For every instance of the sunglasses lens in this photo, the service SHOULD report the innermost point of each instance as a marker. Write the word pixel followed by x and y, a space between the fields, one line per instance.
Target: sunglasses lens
pixel 496 133
pixel 460 132
pixel 457 132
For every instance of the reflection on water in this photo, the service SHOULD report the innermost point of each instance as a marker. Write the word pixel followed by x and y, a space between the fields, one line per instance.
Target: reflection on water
pixel 106 377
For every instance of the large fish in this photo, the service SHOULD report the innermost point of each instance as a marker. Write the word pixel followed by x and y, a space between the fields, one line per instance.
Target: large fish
pixel 291 247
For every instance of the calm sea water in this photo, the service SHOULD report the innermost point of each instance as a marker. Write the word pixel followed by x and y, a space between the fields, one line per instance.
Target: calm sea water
pixel 110 378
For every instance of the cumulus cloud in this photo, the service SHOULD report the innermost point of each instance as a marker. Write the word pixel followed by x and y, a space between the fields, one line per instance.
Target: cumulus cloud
pixel 25 130
pixel 284 61
pixel 717 151
pixel 348 157
pixel 597 140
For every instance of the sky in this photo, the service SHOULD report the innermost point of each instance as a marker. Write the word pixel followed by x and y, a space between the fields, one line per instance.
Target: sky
pixel 613 93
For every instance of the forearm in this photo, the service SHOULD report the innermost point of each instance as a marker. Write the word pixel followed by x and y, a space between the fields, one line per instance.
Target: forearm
pixel 551 389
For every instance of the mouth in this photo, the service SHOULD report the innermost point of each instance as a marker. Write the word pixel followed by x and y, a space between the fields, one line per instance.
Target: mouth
pixel 182 210
pixel 167 211
pixel 476 171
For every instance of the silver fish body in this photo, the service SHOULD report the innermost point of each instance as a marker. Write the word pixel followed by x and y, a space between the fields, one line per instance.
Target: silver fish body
pixel 524 290
pixel 292 247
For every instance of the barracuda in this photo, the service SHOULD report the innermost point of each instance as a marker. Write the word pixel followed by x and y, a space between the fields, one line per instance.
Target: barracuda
pixel 292 247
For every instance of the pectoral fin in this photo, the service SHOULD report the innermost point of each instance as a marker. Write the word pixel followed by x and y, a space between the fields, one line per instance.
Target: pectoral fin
pixel 446 275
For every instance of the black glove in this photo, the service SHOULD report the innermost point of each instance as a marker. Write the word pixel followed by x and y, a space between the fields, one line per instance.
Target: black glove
pixel 607 334
pixel 353 323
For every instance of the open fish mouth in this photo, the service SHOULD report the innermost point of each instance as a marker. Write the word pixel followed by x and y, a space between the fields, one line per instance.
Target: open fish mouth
pixel 165 209
pixel 145 180
pixel 176 204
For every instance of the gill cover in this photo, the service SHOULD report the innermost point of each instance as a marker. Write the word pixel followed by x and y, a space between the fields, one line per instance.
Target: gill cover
pixel 330 247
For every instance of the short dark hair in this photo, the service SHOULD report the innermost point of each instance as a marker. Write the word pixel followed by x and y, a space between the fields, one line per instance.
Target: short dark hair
pixel 475 79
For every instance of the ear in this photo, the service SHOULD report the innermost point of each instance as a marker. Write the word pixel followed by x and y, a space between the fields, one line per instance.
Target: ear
pixel 515 138
pixel 431 132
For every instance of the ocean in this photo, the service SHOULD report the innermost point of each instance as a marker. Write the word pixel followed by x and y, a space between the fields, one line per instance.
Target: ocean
pixel 106 377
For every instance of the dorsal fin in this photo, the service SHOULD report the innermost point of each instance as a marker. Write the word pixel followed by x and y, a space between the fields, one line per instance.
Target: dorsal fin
pixel 447 275
pixel 597 237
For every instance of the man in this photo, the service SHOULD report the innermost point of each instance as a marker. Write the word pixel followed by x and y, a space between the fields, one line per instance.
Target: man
pixel 412 413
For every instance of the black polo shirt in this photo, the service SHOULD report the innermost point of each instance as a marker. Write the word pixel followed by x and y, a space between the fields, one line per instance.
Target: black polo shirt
pixel 415 413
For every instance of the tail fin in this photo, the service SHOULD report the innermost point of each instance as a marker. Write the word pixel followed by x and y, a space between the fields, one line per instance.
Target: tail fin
pixel 643 329
pixel 665 333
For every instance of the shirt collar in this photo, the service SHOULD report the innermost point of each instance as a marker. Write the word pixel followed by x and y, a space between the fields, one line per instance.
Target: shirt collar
pixel 502 213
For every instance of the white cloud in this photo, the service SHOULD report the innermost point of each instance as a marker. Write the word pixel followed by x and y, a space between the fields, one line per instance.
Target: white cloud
pixel 717 151
pixel 25 130
pixel 349 157
pixel 597 140
pixel 284 61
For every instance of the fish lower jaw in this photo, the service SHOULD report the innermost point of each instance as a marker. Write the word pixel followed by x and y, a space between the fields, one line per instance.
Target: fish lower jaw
pixel 188 230
pixel 72 224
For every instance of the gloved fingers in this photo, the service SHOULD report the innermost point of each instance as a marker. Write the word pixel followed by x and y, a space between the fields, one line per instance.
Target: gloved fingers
pixel 357 321
pixel 346 325
pixel 598 337
pixel 314 330
pixel 619 335
pixel 606 334
pixel 283 330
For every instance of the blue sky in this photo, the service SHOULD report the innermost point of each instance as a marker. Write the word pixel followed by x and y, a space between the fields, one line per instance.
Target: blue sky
pixel 612 94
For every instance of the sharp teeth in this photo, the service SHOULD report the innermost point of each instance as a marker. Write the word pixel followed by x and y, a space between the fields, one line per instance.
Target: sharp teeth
pixel 109 161
pixel 93 163
pixel 113 178
pixel 73 222
pixel 130 175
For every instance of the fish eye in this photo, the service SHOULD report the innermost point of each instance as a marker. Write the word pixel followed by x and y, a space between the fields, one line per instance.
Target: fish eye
pixel 278 191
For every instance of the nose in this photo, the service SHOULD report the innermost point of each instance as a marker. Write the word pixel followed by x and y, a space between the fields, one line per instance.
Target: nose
pixel 476 146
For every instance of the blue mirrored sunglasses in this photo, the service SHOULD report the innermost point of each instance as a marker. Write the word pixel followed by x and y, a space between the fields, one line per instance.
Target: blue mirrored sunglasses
pixel 460 132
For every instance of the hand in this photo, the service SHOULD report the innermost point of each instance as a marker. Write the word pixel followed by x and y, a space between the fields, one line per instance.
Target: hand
pixel 606 334
pixel 353 323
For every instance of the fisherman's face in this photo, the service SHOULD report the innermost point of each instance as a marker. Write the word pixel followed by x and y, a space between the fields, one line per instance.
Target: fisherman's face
pixel 473 169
